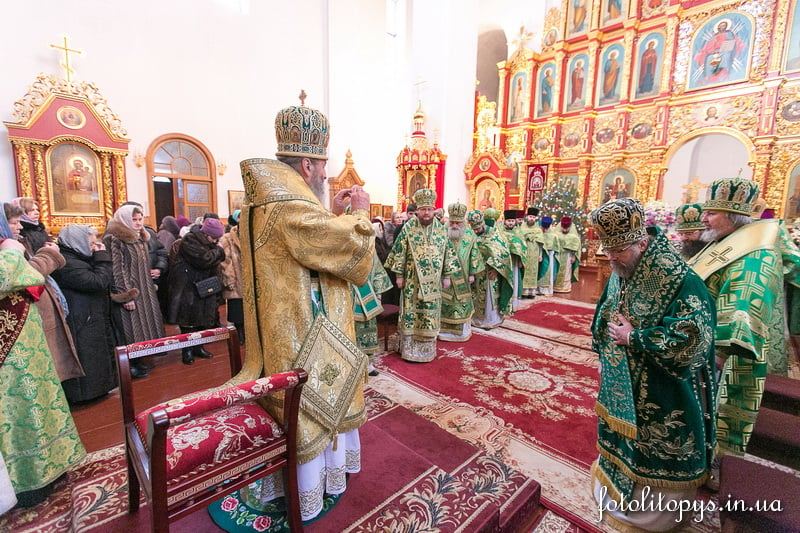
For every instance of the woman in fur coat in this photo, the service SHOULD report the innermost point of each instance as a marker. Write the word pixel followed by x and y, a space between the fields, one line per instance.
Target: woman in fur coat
pixel 198 257
pixel 126 241
pixel 232 274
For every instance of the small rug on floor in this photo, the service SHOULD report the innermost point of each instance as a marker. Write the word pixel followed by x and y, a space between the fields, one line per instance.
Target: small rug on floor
pixel 556 319
pixel 90 495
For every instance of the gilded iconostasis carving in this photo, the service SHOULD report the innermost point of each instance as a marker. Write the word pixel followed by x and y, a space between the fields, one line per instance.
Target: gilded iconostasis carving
pixel 617 86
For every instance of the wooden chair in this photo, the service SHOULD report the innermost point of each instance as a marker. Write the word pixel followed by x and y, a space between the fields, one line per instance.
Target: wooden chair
pixel 190 451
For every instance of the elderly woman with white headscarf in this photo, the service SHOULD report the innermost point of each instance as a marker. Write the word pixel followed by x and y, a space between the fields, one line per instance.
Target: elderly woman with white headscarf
pixel 126 240
pixel 86 280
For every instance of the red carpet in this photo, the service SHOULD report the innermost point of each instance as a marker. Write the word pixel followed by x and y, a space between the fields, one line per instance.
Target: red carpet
pixel 547 399
pixel 558 314
pixel 555 319
pixel 414 477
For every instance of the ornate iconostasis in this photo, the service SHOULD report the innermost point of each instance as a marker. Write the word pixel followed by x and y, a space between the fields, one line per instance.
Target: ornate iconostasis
pixel 623 91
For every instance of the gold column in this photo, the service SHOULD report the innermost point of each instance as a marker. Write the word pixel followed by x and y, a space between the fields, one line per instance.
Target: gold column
pixel 105 163
pixel 42 192
pixel 22 151
pixel 121 180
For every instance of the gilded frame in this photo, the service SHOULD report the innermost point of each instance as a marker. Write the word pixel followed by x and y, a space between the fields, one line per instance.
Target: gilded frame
pixel 235 201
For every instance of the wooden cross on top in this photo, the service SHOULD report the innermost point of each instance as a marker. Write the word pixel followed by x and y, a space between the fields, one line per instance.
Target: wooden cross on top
pixel 303 97
pixel 66 49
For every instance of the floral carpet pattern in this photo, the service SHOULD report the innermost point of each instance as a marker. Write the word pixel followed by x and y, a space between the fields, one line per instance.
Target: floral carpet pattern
pixel 481 391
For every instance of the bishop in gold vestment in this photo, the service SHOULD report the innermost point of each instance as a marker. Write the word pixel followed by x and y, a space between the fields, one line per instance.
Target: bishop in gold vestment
pixel 298 260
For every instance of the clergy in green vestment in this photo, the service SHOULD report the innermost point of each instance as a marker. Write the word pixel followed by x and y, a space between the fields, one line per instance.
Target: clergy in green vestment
pixel 548 267
pixel 425 262
pixel 492 291
pixel 743 268
pixel 519 252
pixel 532 235
pixel 38 440
pixel 653 330
pixel 569 254
pixel 457 305
pixel 366 308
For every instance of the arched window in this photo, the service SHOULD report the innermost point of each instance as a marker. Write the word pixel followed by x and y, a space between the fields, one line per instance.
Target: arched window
pixel 182 178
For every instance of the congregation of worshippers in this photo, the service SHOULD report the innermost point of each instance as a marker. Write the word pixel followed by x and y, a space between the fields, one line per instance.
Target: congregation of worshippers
pixel 699 318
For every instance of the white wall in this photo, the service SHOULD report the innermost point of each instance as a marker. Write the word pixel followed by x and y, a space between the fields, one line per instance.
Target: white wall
pixel 216 70
pixel 709 157
pixel 219 70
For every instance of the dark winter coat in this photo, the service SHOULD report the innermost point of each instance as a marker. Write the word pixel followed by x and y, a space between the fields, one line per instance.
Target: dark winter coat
pixel 86 282
pixel 35 235
pixel 198 258
pixel 130 260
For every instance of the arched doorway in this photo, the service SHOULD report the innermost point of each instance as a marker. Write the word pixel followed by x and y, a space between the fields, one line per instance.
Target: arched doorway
pixel 182 178
pixel 701 157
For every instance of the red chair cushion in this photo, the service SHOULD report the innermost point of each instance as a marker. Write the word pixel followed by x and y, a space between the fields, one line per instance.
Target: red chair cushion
pixel 208 440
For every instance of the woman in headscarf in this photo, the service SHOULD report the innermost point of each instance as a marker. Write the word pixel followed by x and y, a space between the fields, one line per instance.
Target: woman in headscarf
pixel 86 280
pixel 126 241
pixel 39 441
pixel 198 258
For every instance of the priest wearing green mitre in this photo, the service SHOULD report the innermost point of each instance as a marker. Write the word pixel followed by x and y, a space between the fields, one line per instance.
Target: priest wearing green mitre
pixel 653 330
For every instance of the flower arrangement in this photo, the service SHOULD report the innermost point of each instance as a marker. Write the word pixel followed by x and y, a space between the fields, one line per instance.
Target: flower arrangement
pixel 661 214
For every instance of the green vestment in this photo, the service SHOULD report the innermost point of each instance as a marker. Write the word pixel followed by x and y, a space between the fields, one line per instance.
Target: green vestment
pixel 548 268
pixel 656 398
pixel 422 256
pixel 497 257
pixel 367 306
pixel 457 307
pixel 532 235
pixel 38 438
pixel 744 272
pixel 569 246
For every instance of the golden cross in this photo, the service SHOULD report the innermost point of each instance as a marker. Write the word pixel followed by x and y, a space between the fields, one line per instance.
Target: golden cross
pixel 303 97
pixel 692 189
pixel 66 49
pixel 522 37
pixel 719 255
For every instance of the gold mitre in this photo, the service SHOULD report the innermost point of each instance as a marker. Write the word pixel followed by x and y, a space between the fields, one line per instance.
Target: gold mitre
pixel 457 212
pixel 302 132
pixel 425 198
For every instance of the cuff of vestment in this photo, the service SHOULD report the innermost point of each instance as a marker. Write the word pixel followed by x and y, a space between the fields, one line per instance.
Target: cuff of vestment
pixel 633 339
pixel 360 213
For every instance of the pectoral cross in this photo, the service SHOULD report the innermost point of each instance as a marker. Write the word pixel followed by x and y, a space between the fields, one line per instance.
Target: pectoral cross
pixel 66 49
pixel 692 190
pixel 719 255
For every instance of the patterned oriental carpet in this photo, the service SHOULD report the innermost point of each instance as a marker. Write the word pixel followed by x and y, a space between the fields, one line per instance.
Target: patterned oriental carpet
pixel 415 476
pixel 524 392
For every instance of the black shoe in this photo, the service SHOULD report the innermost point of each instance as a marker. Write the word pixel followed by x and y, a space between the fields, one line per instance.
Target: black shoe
pixel 146 367
pixel 187 357
pixel 373 373
pixel 201 353
pixel 137 372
